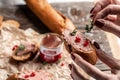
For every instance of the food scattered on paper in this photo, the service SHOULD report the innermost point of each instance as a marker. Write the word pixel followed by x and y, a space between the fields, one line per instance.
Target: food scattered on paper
pixel 12 38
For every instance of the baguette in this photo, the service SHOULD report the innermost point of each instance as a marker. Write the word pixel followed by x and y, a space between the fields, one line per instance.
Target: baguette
pixel 54 20
pixel 77 42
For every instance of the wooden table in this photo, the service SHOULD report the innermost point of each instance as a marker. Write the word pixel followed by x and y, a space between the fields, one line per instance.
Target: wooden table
pixel 77 12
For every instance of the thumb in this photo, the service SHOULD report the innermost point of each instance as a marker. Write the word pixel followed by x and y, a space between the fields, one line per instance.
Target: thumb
pixel 108 26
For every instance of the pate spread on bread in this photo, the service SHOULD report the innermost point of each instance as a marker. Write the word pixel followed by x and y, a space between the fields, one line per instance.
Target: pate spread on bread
pixel 24 51
pixel 77 42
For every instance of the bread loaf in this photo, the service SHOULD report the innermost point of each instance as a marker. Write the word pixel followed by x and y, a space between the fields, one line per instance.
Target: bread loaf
pixel 53 19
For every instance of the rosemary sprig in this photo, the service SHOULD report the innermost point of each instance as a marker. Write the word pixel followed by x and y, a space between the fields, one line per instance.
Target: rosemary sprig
pixel 89 27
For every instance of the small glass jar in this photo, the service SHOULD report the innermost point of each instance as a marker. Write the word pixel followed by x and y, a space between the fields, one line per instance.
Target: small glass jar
pixel 51 48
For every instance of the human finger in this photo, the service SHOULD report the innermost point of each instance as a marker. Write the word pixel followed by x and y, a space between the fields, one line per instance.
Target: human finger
pixel 111 18
pixel 77 73
pixel 109 10
pixel 89 68
pixel 108 26
pixel 99 5
pixel 107 59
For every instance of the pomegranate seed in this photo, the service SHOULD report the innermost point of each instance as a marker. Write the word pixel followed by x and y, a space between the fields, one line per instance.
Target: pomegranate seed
pixel 26 76
pixel 77 39
pixel 62 64
pixel 86 43
pixel 16 46
pixel 32 74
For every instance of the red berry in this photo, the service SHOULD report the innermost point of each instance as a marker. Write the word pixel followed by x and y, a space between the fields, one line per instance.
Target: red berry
pixel 86 43
pixel 62 64
pixel 26 76
pixel 16 46
pixel 77 39
pixel 32 74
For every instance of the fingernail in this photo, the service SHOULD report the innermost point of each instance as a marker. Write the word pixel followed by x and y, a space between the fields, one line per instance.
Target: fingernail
pixel 72 56
pixel 99 23
pixel 70 66
pixel 91 10
pixel 71 76
pixel 96 45
pixel 91 16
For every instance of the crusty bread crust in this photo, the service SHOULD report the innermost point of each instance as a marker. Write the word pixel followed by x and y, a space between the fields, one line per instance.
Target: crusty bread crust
pixel 12 23
pixel 13 77
pixel 27 56
pixel 22 58
pixel 54 20
pixel 1 20
pixel 89 56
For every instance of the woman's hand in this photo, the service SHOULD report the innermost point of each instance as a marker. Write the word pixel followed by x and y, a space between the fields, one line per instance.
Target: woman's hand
pixel 106 15
pixel 91 70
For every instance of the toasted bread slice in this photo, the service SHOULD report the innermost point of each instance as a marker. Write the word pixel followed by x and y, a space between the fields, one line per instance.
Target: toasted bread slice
pixel 77 42
pixel 24 52
pixel 11 23
pixel 13 77
pixel 22 57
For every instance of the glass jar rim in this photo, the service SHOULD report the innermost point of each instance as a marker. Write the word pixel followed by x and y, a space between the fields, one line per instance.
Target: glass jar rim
pixel 62 41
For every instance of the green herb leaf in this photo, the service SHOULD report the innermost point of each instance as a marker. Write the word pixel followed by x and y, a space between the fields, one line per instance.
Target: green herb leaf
pixel 73 33
pixel 91 25
pixel 8 75
pixel 44 63
pixel 88 28
pixel 21 47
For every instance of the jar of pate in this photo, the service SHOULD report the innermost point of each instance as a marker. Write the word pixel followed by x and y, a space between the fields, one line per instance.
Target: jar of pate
pixel 51 48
